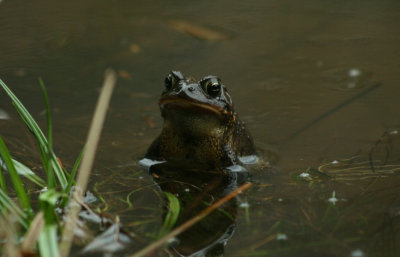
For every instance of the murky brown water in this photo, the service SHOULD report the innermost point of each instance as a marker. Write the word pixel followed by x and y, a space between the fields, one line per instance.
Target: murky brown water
pixel 285 64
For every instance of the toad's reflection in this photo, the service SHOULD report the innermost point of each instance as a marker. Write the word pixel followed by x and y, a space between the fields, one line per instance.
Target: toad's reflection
pixel 196 189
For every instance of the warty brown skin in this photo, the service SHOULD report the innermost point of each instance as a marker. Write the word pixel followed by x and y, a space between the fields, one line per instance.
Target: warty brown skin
pixel 200 124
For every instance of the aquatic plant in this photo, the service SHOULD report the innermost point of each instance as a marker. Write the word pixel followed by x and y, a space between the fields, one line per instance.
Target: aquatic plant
pixel 43 227
pixel 52 189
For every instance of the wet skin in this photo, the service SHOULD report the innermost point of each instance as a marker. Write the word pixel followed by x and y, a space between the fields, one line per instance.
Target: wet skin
pixel 200 124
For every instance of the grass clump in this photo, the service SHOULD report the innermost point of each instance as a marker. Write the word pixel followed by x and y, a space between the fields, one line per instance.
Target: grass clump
pixel 56 185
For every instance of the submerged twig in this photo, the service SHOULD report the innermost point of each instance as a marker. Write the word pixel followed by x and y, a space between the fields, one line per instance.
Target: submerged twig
pixel 87 162
pixel 190 222
pixel 333 110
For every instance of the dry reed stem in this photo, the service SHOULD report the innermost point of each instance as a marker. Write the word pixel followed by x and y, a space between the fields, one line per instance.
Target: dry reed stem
pixel 32 235
pixel 8 232
pixel 190 222
pixel 87 162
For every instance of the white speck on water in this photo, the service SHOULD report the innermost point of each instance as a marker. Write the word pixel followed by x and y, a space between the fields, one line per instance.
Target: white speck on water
pixel 173 241
pixel 281 236
pixel 354 72
pixel 3 114
pixel 280 200
pixel 140 177
pixel 249 159
pixel 148 162
pixel 334 162
pixel 187 190
pixel 333 199
pixel 304 175
pixel 244 205
pixel 236 168
pixel 394 132
pixel 357 253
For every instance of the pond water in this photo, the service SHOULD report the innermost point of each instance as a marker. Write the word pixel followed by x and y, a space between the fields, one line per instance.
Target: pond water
pixel 315 81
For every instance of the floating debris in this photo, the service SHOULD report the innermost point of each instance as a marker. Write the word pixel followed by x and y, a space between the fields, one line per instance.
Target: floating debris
pixel 90 216
pixel 358 168
pixel 148 162
pixel 304 175
pixel 244 205
pixel 236 168
pixel 357 253
pixel 333 199
pixel 149 121
pixel 20 73
pixel 249 159
pixel 124 74
pixel 89 197
pixel 112 240
pixel 135 48
pixel 281 237
pixel 197 31
pixel 4 115
pixel 354 73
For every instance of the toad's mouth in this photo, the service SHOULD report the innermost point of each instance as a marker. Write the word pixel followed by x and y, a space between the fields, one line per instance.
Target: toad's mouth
pixel 173 103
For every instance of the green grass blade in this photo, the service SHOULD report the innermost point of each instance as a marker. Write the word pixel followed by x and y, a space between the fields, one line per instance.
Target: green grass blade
pixel 48 114
pixel 48 201
pixel 71 179
pixel 172 214
pixel 36 131
pixel 15 179
pixel 29 174
pixel 8 206
pixel 48 242
pixel 48 237
pixel 51 182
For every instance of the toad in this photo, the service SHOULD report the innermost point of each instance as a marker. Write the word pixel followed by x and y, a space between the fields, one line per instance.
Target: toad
pixel 200 124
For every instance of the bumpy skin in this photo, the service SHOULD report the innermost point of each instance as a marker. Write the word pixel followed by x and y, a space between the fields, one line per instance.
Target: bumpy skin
pixel 200 124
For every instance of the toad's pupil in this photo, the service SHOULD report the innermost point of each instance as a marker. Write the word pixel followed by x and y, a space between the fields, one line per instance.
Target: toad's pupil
pixel 213 88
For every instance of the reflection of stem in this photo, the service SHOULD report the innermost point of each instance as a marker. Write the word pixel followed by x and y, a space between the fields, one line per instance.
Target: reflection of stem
pixel 191 222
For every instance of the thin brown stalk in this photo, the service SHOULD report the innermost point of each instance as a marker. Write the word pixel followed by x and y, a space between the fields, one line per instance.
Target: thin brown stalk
pixel 190 222
pixel 31 237
pixel 87 162
pixel 8 231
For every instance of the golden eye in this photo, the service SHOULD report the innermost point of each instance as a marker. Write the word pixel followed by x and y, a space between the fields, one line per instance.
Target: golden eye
pixel 213 88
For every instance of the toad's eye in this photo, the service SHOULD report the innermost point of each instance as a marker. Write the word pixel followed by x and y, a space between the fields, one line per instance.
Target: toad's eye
pixel 169 80
pixel 213 87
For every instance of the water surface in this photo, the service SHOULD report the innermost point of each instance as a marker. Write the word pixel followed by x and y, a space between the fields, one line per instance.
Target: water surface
pixel 285 64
